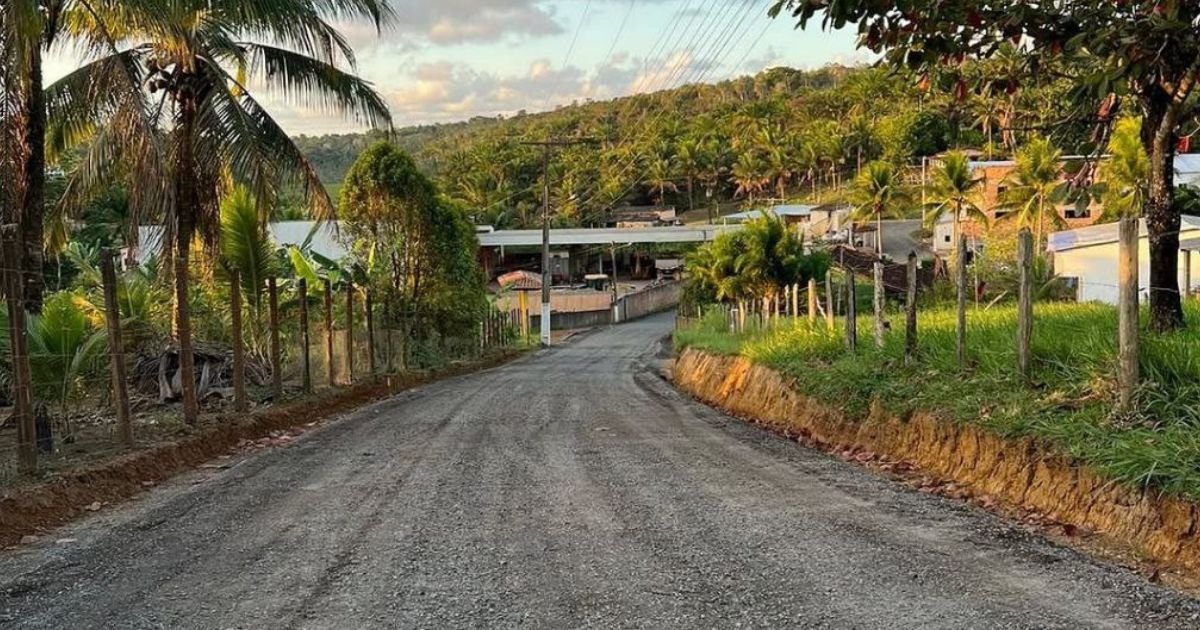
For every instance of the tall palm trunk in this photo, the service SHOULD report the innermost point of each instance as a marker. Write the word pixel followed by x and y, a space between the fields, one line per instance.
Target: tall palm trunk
pixel 32 211
pixel 186 209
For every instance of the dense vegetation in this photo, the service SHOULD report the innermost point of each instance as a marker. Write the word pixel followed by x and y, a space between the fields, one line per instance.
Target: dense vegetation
pixel 783 134
pixel 161 126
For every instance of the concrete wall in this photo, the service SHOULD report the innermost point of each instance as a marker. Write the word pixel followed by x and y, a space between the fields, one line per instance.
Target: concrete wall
pixel 648 301
pixel 573 320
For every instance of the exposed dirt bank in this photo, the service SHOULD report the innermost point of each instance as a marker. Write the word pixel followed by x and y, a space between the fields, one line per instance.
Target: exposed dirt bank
pixel 1020 473
pixel 36 507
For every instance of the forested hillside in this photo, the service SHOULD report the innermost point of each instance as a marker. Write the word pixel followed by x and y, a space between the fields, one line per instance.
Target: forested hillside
pixel 781 134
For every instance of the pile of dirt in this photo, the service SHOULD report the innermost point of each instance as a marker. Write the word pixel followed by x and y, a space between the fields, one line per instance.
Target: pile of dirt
pixel 1021 473
pixel 37 507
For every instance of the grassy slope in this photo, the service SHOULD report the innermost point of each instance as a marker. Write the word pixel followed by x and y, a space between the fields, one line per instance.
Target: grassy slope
pixel 1068 405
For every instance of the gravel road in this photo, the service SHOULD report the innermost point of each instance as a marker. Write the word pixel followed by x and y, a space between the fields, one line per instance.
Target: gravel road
pixel 572 488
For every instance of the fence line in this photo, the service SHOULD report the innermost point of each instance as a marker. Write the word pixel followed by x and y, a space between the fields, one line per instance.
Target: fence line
pixel 755 315
pixel 257 362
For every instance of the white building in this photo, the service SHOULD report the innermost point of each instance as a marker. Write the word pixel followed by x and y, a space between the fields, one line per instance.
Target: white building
pixel 1088 257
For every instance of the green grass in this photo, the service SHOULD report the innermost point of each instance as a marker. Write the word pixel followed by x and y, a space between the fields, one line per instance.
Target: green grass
pixel 1068 405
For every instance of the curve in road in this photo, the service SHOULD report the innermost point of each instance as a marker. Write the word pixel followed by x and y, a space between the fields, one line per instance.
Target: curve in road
pixel 570 488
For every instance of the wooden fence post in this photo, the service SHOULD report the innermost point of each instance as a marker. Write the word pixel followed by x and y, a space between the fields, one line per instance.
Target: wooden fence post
pixel 851 310
pixel 960 265
pixel 239 350
pixel 1127 308
pixel 812 301
pixel 1024 302
pixel 387 333
pixel 305 360
pixel 370 306
pixel 879 304
pixel 276 368
pixel 116 348
pixel 349 332
pixel 329 333
pixel 829 299
pixel 910 311
pixel 1187 273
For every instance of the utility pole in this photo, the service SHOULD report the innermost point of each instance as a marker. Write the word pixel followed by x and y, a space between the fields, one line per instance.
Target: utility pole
pixel 547 146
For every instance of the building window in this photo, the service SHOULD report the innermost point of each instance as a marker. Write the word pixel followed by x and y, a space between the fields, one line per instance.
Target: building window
pixel 1077 213
pixel 947 238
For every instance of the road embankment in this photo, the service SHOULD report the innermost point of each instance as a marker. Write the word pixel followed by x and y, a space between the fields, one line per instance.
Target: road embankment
pixel 1020 473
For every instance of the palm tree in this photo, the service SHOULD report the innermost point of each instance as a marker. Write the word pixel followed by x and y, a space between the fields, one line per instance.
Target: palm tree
pixel 659 174
pixel 1122 188
pixel 954 189
pixel 1035 187
pixel 27 29
pixel 195 60
pixel 879 191
pixel 712 168
pixel 748 175
pixel 687 158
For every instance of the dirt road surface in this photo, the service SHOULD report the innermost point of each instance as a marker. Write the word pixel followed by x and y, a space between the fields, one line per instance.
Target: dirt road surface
pixel 572 488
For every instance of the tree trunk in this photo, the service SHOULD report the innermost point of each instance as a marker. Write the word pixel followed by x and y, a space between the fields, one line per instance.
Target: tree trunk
pixel 33 203
pixel 186 209
pixel 1162 218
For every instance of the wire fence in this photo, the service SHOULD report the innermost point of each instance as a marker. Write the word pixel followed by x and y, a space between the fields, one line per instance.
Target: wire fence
pixel 846 294
pixel 73 399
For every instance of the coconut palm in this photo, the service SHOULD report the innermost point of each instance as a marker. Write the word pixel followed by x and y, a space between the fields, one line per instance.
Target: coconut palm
pixel 186 67
pixel 954 190
pixel 749 174
pixel 27 29
pixel 879 191
pixel 659 176
pixel 1124 176
pixel 1035 187
pixel 688 159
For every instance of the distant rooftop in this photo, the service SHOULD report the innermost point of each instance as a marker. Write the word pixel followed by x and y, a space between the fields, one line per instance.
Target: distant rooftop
pixel 1105 233
pixel 778 211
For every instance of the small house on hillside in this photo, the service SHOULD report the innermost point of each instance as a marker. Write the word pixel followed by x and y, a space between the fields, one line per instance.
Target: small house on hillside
pixel 1087 257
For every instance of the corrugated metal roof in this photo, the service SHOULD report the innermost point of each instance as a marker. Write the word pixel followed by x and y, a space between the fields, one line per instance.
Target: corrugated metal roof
pixel 779 211
pixel 1105 233
pixel 326 240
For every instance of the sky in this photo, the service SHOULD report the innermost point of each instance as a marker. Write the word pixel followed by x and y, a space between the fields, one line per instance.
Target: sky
pixel 450 60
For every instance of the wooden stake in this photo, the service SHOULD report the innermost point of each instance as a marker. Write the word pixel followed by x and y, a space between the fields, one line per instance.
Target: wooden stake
pixel 1127 307
pixel 829 299
pixel 306 343
pixel 276 368
pixel 388 325
pixel 960 264
pixel 851 311
pixel 239 350
pixel 910 311
pixel 1024 302
pixel 370 331
pixel 116 348
pixel 349 332
pixel 1187 273
pixel 812 300
pixel 879 304
pixel 329 334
